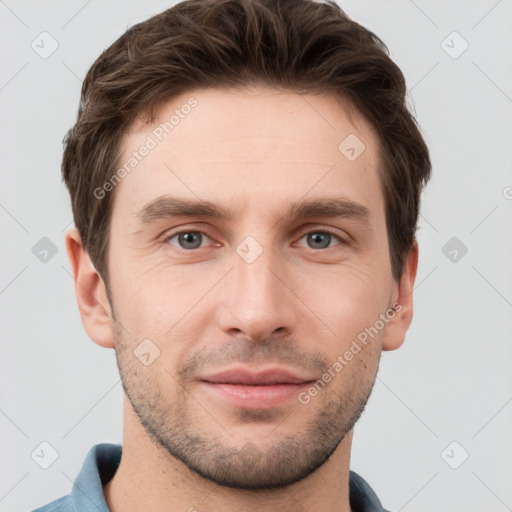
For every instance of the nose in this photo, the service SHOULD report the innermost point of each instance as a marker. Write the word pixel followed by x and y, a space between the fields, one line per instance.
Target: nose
pixel 256 299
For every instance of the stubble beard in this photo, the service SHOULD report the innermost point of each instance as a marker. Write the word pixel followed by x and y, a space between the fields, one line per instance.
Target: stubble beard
pixel 280 461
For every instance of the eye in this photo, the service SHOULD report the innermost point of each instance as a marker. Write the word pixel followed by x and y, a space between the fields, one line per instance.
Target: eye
pixel 188 239
pixel 321 239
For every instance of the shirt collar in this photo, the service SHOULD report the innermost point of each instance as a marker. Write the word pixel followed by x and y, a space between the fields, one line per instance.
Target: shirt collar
pixel 99 467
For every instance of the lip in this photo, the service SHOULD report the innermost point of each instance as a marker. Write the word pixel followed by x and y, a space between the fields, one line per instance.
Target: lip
pixel 255 390
pixel 265 377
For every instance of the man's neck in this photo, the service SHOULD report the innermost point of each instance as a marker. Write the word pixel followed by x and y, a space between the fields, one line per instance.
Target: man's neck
pixel 150 479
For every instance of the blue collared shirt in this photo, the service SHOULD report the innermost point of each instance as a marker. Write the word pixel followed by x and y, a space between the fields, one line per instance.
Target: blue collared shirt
pixel 102 462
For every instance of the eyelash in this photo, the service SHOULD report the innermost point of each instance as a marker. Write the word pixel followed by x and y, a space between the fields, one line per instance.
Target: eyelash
pixel 323 231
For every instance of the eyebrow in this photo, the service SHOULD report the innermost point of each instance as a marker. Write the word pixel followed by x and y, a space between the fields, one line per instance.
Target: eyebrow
pixel 164 207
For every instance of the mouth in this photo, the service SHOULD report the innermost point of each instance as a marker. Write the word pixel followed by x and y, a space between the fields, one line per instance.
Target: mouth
pixel 265 389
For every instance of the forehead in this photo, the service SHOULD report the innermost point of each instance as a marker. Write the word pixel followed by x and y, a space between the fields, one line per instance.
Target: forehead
pixel 250 146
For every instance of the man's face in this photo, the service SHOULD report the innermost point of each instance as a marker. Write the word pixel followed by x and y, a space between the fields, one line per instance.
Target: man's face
pixel 273 295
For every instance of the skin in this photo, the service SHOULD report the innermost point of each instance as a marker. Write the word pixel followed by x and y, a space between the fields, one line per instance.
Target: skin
pixel 299 305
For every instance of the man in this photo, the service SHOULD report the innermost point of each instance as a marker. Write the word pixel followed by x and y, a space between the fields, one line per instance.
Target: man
pixel 245 181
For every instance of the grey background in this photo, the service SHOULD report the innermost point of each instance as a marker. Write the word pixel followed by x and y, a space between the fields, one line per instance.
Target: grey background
pixel 451 381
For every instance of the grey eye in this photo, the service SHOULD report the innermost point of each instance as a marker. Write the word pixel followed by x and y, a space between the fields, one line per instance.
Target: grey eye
pixel 322 239
pixel 189 239
pixel 319 239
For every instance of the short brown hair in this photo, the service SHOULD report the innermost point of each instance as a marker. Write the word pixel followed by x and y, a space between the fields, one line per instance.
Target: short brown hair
pixel 297 45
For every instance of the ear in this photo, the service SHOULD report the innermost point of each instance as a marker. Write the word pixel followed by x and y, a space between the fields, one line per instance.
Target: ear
pixel 397 327
pixel 90 292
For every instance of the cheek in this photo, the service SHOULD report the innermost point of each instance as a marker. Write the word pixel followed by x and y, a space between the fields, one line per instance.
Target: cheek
pixel 348 302
pixel 162 304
